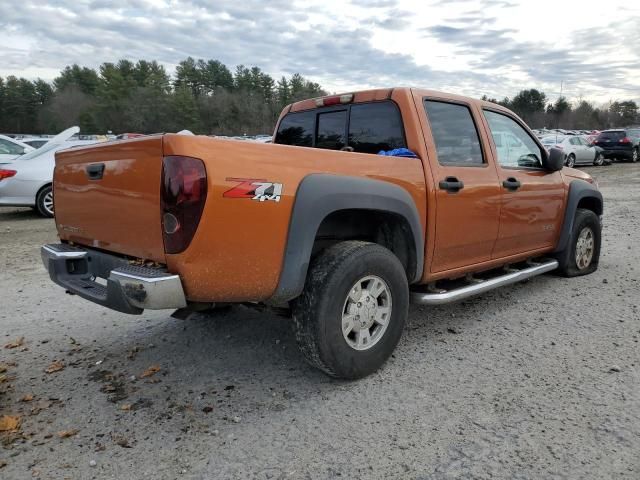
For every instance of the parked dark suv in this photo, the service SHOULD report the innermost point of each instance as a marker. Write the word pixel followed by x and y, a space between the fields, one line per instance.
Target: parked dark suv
pixel 620 143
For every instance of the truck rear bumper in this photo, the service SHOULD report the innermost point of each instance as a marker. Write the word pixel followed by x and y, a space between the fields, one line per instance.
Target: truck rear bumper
pixel 127 288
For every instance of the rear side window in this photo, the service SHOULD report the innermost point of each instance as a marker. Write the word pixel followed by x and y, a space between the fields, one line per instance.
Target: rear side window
pixel 612 136
pixel 297 129
pixel 374 127
pixel 454 133
pixel 331 129
pixel 10 148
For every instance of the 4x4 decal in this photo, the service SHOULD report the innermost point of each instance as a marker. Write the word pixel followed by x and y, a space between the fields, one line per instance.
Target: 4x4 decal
pixel 255 189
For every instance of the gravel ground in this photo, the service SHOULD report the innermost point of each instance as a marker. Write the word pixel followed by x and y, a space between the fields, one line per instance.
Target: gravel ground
pixel 537 380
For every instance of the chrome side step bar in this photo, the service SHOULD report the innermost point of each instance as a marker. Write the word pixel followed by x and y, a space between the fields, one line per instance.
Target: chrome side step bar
pixel 427 298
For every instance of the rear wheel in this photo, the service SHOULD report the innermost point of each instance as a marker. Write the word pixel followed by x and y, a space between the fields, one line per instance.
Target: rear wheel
pixel 571 160
pixel 353 309
pixel 44 202
pixel 582 255
pixel 599 160
pixel 634 155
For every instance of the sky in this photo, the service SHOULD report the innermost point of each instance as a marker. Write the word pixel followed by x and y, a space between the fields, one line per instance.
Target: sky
pixel 471 47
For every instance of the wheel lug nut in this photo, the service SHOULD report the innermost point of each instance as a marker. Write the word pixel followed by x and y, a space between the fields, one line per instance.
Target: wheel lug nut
pixel 359 304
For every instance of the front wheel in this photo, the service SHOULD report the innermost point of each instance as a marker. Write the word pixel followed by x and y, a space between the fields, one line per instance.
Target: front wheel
pixel 44 202
pixel 353 309
pixel 582 255
pixel 599 160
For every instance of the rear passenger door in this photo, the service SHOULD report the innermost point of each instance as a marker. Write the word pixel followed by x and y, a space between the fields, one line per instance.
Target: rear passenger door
pixel 532 197
pixel 467 189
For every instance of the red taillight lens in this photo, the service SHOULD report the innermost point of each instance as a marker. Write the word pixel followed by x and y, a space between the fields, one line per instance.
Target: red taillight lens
pixel 7 174
pixel 184 191
pixel 625 140
pixel 334 100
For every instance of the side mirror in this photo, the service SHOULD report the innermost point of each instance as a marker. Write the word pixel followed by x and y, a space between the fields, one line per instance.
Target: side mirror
pixel 554 160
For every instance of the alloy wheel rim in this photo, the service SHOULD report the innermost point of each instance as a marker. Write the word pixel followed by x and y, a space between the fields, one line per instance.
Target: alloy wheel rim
pixel 570 161
pixel 599 159
pixel 366 312
pixel 47 203
pixel 584 248
pixel 635 155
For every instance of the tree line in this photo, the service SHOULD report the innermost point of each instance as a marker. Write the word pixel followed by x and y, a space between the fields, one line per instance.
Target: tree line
pixel 203 96
pixel 534 108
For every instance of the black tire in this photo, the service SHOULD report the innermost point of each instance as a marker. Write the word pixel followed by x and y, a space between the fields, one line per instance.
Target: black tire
pixel 634 155
pixel 584 219
pixel 571 160
pixel 318 312
pixel 599 160
pixel 42 202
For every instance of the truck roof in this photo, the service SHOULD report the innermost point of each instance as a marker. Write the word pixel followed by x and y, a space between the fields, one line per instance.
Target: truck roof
pixel 378 94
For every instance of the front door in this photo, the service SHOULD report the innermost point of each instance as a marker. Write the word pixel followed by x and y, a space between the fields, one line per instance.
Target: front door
pixel 467 190
pixel 532 197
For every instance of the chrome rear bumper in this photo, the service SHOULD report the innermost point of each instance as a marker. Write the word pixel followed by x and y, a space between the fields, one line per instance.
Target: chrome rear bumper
pixel 126 288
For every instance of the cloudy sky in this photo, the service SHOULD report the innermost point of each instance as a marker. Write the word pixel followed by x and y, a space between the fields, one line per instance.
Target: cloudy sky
pixel 474 47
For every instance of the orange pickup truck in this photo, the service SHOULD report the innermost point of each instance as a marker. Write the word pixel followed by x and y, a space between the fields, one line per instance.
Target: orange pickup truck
pixel 364 203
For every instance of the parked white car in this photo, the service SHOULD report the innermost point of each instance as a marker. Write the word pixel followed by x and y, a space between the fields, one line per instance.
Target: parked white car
pixel 26 180
pixel 11 148
pixel 577 150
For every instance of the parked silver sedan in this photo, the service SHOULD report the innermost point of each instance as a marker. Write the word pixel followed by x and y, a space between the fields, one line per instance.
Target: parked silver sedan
pixel 26 180
pixel 577 150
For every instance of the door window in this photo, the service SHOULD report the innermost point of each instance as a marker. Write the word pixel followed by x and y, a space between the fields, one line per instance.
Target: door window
pixel 375 126
pixel 454 133
pixel 526 153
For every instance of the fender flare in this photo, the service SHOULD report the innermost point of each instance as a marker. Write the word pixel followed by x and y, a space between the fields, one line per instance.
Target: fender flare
pixel 578 190
pixel 320 195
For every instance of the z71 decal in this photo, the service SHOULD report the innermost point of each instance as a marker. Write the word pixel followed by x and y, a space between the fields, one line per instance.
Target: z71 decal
pixel 255 189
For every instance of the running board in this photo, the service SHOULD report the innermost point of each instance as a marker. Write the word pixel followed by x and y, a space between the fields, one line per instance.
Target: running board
pixel 427 298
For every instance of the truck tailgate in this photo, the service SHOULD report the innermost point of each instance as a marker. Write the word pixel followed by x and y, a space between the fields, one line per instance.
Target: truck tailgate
pixel 108 196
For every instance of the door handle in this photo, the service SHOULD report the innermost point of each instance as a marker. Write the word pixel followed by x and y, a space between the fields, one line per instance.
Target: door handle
pixel 511 184
pixel 451 185
pixel 95 171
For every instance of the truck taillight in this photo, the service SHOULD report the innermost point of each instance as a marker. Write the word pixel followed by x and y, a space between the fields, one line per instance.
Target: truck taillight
pixel 625 140
pixel 7 174
pixel 184 191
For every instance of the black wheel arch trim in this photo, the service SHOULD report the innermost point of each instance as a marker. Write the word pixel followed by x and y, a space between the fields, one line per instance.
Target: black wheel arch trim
pixel 320 195
pixel 578 190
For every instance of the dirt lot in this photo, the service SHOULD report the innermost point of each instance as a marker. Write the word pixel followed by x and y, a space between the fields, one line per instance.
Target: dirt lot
pixel 538 380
